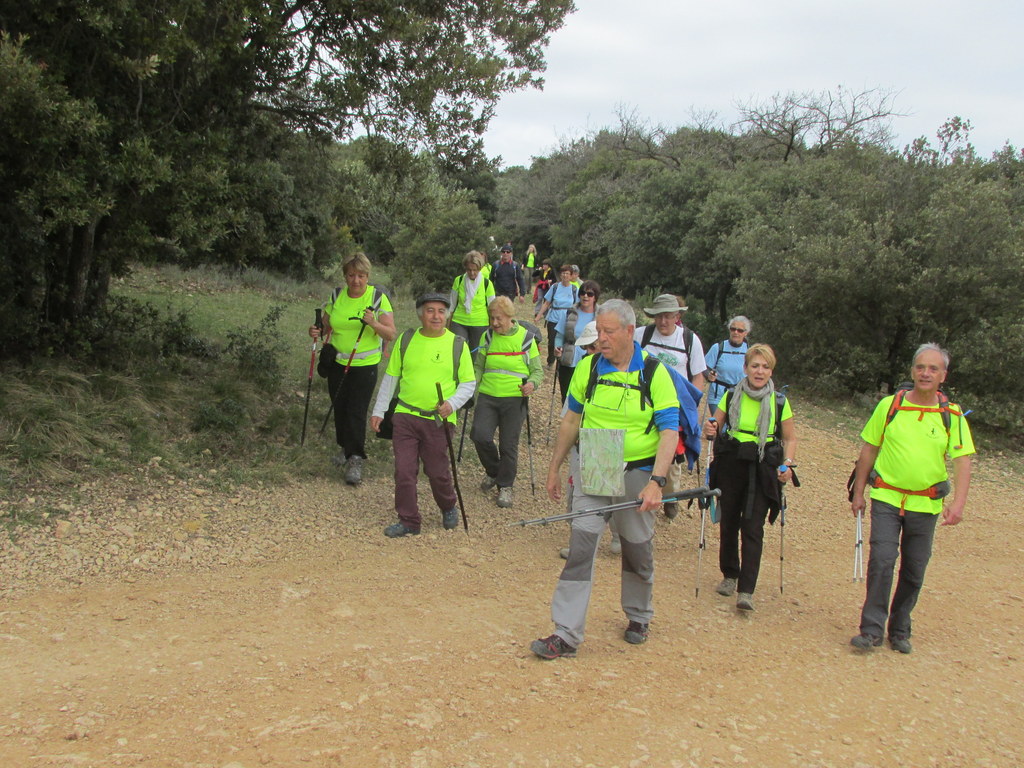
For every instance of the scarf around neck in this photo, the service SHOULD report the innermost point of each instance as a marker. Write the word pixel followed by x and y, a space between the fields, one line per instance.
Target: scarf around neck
pixel 766 397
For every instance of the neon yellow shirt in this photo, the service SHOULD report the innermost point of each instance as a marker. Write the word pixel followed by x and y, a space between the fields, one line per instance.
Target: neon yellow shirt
pixel 505 364
pixel 619 408
pixel 345 331
pixel 428 360
pixel 478 315
pixel 913 453
pixel 750 409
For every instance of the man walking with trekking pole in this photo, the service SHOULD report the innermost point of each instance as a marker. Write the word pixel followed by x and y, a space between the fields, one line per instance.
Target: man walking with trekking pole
pixel 903 461
pixel 626 435
pixel 424 359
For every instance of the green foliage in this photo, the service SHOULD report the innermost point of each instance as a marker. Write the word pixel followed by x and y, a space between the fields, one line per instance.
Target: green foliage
pixel 258 352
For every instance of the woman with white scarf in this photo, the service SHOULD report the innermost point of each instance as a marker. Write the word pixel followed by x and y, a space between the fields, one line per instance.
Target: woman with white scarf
pixel 471 293
pixel 755 452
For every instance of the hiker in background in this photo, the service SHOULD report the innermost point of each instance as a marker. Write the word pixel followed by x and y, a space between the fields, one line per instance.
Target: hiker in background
pixel 357 321
pixel 557 300
pixel 423 358
pixel 725 360
pixel 530 264
pixel 545 276
pixel 576 318
pixel 471 294
pixel 618 432
pixel 677 347
pixel 755 450
pixel 575 279
pixel 508 370
pixel 507 275
pixel 903 461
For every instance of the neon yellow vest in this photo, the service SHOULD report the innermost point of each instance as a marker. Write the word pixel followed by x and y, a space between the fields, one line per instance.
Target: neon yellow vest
pixel 507 365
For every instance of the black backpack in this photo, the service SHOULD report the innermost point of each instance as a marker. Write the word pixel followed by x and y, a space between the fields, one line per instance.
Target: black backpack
pixel 649 330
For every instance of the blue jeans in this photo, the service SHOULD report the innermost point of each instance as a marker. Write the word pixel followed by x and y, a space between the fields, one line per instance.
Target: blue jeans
pixel 908 536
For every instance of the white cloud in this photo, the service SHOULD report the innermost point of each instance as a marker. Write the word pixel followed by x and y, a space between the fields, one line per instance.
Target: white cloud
pixel 664 59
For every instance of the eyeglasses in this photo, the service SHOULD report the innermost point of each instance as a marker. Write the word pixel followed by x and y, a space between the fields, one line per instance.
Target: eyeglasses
pixel 737 330
pixel 587 293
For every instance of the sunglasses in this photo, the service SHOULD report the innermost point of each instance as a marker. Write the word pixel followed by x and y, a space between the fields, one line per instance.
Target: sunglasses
pixel 737 330
pixel 587 293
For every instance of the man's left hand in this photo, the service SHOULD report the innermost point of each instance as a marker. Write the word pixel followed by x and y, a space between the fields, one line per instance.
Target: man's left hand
pixel 953 513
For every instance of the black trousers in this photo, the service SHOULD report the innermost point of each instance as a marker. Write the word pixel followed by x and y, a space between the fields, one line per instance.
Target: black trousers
pixel 352 393
pixel 565 373
pixel 742 539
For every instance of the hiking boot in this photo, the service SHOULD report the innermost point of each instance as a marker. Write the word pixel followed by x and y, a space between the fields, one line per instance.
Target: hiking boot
pixel 339 459
pixel 505 497
pixel 552 647
pixel 672 510
pixel 354 470
pixel 899 643
pixel 744 601
pixel 636 633
pixel 726 587
pixel 487 483
pixel 564 553
pixel 616 544
pixel 865 642
pixel 450 518
pixel 397 530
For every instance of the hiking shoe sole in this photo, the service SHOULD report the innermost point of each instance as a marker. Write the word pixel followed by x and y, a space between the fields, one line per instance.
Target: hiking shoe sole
pixel 552 647
pixel 745 601
pixel 726 587
pixel 901 644
pixel 636 633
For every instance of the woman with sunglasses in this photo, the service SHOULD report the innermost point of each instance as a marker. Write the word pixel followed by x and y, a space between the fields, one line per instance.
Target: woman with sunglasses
pixel 568 327
pixel 725 360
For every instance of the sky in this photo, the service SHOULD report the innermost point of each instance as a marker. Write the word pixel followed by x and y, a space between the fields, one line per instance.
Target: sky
pixel 668 60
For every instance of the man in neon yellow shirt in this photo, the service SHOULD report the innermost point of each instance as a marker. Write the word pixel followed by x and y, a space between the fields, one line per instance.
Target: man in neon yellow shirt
pixel 615 411
pixel 903 459
pixel 422 359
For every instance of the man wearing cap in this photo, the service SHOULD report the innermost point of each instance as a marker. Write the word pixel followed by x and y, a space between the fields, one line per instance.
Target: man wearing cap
pixel 676 346
pixel 507 276
pixel 423 358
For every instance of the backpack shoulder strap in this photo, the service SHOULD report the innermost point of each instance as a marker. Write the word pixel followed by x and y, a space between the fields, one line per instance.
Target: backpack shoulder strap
pixel 780 403
pixel 651 364
pixel 591 378
pixel 648 335
pixel 457 346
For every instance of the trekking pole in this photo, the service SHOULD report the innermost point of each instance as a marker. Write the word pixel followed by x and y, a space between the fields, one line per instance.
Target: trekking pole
pixel 551 405
pixel 309 383
pixel 529 445
pixel 702 503
pixel 858 548
pixel 620 507
pixel 782 541
pixel 451 458
pixel 701 543
pixel 462 437
pixel 344 374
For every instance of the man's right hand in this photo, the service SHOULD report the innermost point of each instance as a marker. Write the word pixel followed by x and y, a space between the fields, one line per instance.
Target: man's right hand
pixel 554 486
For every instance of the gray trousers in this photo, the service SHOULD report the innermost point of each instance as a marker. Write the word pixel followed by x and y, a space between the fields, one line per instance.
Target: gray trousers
pixel 910 537
pixel 504 415
pixel 636 529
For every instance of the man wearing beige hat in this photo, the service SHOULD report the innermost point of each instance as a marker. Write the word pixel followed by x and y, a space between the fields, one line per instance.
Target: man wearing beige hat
pixel 678 347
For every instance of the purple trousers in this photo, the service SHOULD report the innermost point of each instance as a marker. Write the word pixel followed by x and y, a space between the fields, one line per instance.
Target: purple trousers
pixel 417 439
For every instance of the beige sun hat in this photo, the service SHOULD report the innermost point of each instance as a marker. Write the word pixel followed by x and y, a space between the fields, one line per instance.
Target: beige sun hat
pixel 665 303
pixel 589 335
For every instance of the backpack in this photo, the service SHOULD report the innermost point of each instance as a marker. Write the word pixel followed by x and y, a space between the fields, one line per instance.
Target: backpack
pixel 687 395
pixel 649 330
pixel 943 408
pixel 386 431
pixel 569 336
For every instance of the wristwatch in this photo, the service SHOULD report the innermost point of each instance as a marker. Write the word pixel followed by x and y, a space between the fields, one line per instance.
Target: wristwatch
pixel 659 479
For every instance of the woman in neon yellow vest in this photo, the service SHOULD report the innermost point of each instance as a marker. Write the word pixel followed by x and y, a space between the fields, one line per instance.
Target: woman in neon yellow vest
pixel 471 293
pixel 508 370
pixel 357 321
pixel 754 454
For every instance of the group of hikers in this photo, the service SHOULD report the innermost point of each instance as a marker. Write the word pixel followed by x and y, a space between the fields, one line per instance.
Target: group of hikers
pixel 630 398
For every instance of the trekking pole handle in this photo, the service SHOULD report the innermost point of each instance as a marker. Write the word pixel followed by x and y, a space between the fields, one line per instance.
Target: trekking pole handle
pixel 319 318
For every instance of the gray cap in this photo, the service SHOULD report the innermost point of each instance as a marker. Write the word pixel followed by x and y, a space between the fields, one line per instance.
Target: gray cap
pixel 664 303
pixel 444 298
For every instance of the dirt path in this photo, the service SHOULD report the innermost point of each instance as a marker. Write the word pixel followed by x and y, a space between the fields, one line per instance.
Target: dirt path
pixel 160 624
